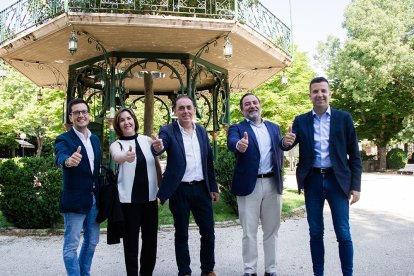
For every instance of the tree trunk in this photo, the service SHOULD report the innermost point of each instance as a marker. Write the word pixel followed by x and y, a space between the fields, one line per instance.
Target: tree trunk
pixel 39 147
pixel 149 104
pixel 382 157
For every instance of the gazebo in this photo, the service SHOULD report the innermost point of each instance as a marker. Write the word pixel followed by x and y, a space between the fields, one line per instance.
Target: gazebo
pixel 143 53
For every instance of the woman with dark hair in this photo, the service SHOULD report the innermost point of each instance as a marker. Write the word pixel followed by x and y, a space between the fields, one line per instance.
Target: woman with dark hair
pixel 137 188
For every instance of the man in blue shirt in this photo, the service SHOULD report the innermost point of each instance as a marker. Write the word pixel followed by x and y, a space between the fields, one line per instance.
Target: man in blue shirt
pixel 329 169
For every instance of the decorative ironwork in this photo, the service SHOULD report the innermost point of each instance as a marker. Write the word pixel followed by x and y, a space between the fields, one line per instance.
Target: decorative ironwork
pixel 204 108
pixel 27 13
pixel 88 81
pixel 60 80
pixel 161 117
pixel 160 64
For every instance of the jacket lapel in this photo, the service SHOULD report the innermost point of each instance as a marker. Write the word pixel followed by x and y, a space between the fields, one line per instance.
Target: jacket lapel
pixel 252 137
pixel 201 142
pixel 309 126
pixel 179 137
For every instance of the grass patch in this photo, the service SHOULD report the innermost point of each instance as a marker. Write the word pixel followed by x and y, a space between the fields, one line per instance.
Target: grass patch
pixel 291 201
pixel 222 212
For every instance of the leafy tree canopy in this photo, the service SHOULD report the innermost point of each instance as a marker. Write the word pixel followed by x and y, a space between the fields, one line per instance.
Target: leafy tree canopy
pixel 373 72
pixel 23 112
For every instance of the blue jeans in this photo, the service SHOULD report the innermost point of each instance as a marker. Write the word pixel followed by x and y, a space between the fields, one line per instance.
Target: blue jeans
pixel 319 187
pixel 74 223
pixel 195 198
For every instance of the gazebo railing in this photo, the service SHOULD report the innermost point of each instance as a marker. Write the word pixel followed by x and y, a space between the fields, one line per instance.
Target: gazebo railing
pixel 26 14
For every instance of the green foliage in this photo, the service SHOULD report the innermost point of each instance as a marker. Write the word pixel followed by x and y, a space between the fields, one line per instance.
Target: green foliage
pixel 22 112
pixel 371 72
pixel 224 167
pixel 396 159
pixel 366 157
pixel 29 192
pixel 281 102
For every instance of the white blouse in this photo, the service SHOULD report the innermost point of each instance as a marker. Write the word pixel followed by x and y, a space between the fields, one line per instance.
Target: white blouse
pixel 127 170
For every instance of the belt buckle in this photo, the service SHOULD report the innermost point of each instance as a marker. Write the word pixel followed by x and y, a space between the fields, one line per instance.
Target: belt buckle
pixel 324 170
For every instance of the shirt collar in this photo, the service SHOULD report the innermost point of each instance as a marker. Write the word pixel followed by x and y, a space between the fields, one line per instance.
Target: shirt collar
pixel 183 129
pixel 80 134
pixel 328 112
pixel 253 124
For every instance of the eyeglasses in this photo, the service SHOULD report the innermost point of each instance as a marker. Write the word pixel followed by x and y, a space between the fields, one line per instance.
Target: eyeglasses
pixel 77 113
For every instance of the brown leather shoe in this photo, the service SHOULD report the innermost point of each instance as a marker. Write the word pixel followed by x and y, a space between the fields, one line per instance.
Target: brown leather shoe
pixel 211 273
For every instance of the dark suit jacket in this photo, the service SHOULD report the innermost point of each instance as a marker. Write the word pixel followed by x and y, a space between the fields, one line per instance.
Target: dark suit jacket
pixel 343 149
pixel 176 163
pixel 247 164
pixel 78 182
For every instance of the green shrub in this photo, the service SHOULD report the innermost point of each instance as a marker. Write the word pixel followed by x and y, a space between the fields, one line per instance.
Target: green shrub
pixel 396 159
pixel 30 191
pixel 224 167
pixel 366 157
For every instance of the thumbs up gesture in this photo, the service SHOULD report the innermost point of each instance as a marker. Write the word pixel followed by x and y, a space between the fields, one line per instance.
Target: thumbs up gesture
pixel 289 138
pixel 130 155
pixel 157 143
pixel 74 159
pixel 243 143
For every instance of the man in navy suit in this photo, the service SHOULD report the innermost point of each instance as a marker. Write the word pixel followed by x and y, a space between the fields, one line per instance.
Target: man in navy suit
pixel 78 153
pixel 257 182
pixel 329 169
pixel 189 183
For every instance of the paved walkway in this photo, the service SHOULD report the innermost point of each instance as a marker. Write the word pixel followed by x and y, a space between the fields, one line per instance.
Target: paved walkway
pixel 382 228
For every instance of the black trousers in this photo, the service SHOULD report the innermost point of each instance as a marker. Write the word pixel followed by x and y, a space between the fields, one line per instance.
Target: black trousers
pixel 196 199
pixel 145 217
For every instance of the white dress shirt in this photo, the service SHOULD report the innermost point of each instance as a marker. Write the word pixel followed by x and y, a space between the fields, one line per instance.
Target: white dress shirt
pixel 194 169
pixel 265 146
pixel 88 146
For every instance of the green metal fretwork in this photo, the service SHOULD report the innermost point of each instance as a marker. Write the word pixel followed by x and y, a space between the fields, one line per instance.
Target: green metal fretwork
pixel 25 14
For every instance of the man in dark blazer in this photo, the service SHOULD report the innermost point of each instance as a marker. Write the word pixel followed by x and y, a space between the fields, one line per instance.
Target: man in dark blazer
pixel 257 182
pixel 78 153
pixel 189 183
pixel 329 169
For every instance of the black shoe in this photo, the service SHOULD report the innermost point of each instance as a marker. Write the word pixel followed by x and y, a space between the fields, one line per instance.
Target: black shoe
pixel 211 273
pixel 270 274
pixel 250 274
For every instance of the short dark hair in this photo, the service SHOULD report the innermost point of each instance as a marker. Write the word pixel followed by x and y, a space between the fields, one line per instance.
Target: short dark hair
pixel 76 101
pixel 244 96
pixel 183 96
pixel 115 122
pixel 318 80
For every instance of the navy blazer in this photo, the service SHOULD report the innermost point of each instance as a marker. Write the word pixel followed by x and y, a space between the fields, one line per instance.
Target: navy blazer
pixel 343 149
pixel 176 163
pixel 78 182
pixel 247 163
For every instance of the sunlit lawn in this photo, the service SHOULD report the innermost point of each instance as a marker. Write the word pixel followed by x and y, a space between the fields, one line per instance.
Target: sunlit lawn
pixel 222 212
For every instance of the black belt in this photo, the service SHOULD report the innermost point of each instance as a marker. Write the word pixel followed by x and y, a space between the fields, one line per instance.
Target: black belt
pixel 194 182
pixel 265 175
pixel 322 170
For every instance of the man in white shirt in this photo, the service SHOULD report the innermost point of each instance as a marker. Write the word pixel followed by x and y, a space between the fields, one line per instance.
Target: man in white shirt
pixel 78 153
pixel 189 183
pixel 257 182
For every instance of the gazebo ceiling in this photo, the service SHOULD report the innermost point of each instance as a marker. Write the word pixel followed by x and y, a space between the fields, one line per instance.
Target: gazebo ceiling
pixel 41 53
